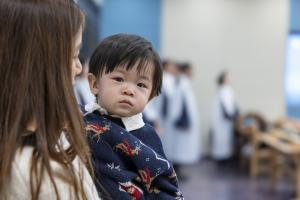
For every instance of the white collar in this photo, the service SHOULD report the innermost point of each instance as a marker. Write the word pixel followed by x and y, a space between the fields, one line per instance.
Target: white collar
pixel 134 122
pixel 92 106
pixel 131 123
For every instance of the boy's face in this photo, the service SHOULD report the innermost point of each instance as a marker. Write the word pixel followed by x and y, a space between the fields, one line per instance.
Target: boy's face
pixel 123 93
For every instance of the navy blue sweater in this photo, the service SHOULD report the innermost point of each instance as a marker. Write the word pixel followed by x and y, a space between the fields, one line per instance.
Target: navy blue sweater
pixel 129 165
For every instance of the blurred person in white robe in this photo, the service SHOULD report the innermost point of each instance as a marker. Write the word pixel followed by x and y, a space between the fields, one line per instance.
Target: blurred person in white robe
pixel 187 135
pixel 225 111
pixel 82 90
pixel 161 112
pixel 174 114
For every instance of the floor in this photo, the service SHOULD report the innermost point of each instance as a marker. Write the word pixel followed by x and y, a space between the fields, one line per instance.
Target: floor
pixel 209 181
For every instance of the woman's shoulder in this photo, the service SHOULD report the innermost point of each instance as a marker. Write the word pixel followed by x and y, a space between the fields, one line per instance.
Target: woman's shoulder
pixel 21 165
pixel 21 172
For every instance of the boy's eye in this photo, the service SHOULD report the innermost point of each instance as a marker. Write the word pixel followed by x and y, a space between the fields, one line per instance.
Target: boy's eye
pixel 142 85
pixel 118 79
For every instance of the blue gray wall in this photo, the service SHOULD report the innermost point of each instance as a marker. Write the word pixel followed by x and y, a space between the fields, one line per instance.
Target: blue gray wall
pixel 295 15
pixel 140 17
pixel 292 62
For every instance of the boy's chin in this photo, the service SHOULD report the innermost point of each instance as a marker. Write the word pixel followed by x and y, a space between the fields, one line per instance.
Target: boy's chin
pixel 115 113
pixel 124 114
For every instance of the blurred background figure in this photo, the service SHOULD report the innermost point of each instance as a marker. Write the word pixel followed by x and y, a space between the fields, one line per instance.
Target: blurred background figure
pixel 169 106
pixel 166 109
pixel 82 89
pixel 225 111
pixel 163 110
pixel 186 133
pixel 156 112
pixel 175 115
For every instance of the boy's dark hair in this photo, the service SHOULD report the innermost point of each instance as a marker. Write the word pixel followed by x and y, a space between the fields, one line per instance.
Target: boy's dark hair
pixel 126 50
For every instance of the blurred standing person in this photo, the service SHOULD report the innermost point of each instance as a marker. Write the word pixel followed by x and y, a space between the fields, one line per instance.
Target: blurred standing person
pixel 225 111
pixel 151 114
pixel 187 137
pixel 43 151
pixel 167 111
pixel 174 114
pixel 158 110
pixel 82 89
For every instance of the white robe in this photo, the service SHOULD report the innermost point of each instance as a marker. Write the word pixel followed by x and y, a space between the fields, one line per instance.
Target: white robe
pixel 181 146
pixel 82 92
pixel 222 130
pixel 153 111
pixel 187 141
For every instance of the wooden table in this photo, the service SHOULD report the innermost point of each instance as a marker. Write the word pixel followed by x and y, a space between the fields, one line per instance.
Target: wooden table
pixel 287 145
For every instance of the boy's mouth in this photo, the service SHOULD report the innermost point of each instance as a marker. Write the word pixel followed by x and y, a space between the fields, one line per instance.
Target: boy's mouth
pixel 126 102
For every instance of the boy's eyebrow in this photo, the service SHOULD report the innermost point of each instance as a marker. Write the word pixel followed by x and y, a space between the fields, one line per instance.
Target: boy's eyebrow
pixel 144 77
pixel 120 70
pixel 141 76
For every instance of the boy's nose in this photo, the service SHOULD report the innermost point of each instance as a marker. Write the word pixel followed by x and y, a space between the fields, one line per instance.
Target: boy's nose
pixel 128 91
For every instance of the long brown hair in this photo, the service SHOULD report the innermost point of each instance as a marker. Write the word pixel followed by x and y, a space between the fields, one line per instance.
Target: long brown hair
pixel 36 47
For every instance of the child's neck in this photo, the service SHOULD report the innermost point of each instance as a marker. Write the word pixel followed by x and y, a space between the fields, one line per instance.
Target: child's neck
pixel 131 122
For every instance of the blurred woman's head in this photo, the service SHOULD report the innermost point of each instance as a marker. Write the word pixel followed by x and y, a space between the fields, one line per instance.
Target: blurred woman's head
pixel 185 68
pixel 223 78
pixel 170 67
pixel 40 42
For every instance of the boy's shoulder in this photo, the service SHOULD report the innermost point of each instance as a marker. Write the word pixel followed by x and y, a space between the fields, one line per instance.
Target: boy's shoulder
pixel 92 115
pixel 148 129
pixel 148 135
pixel 95 124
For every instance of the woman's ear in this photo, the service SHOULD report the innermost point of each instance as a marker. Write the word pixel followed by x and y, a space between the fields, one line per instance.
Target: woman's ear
pixel 93 83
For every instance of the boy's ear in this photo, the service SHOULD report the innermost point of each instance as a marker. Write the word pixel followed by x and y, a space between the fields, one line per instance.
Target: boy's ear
pixel 93 83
